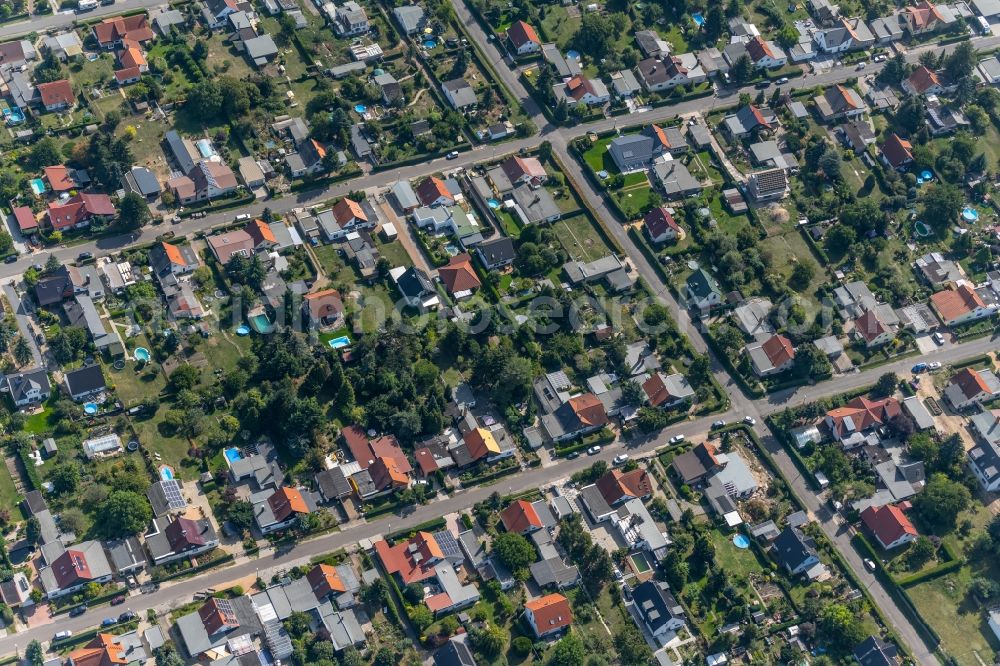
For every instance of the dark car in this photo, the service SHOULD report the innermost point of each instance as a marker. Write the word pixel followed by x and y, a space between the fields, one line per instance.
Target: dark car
pixel 762 85
pixel 84 256
pixel 11 259
pixel 79 610
pixel 120 599
pixel 109 622
pixel 128 616
pixel 573 455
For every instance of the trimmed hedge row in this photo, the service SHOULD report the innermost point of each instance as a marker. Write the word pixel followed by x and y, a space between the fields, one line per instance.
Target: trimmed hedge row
pixel 225 559
pixel 601 437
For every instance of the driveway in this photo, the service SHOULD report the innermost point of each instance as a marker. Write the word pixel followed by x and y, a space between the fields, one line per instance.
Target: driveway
pixel 24 323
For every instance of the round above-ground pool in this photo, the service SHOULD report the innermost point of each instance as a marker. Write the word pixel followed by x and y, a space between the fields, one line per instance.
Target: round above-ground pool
pixel 970 214
pixel 741 541
pixel 243 329
pixel 573 55
pixel 492 203
pixel 926 175
pixel 141 354
pixel 90 408
pixel 360 108
pixel 921 229
pixel 430 44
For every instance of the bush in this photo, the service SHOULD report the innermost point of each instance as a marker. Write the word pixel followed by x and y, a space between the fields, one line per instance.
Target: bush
pixel 521 646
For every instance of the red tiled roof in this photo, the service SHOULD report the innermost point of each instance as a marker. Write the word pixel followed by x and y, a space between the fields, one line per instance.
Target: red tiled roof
pixel 517 168
pixel 56 93
pixel 616 485
pixel 589 409
pixel 217 614
pixel 888 523
pixel 923 79
pixel 71 568
pixel 869 326
pixel 758 49
pixel 779 350
pixel 970 383
pixel 431 189
pixel 326 303
pixel 551 612
pixel 658 220
pixel 425 460
pixel 413 559
pixel 346 210
pixel 286 501
pixel 897 151
pixel 953 303
pixel 59 178
pixel 102 650
pixel 458 275
pixel 520 517
pixel 325 581
pixel 365 451
pixel 127 74
pixel 184 533
pixel 385 473
pixel 924 15
pixel 863 413
pixel 520 33
pixel 118 28
pixel 260 232
pixel 25 217
pixel 78 209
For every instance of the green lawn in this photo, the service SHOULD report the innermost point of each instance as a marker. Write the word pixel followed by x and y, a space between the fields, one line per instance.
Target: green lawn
pixel 88 74
pixel 9 496
pixel 598 159
pixel 633 200
pixel 961 623
pixel 558 26
pixel 580 237
pixel 394 252
pixel 734 560
pixel 789 249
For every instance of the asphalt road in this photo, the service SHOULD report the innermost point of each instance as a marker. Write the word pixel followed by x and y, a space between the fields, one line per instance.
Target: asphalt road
pixel 62 19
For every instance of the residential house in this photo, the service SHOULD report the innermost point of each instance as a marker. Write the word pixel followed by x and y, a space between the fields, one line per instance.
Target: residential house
pixel 416 288
pixel 923 18
pixel 85 382
pixel 675 180
pixel 768 185
pixel 694 466
pixel 496 253
pixel 658 75
pixel 835 39
pixel 889 525
pixel 861 36
pixel 702 290
pixel 79 211
pixel 625 84
pixel 607 269
pixel 143 182
pixel 174 538
pixel 602 499
pixel 870 328
pixel 762 53
pixel 216 623
pixel 523 39
pixel 227 245
pixel 824 11
pixel 78 566
pixel 459 94
pixel 874 651
pixel 922 81
pixel 581 90
pixel 28 387
pixel 524 170
pixel 56 95
pixel 651 44
pixel 548 615
pixel 577 416
pixel 771 357
pixel 459 277
pixel 857 135
pixel 970 387
pixel 896 152
pixel 455 652
pixel 960 305
pixel 308 159
pixel 839 102
pixel 433 192
pixel 655 605
pixel 984 457
pixel 350 20
pixel 26 220
pixel 795 552
pixel 324 309
pixel 520 517
pixel 410 18
pixel 861 415
pixel 667 391
pixel 887 29
pixel 660 225
pixel 112 33
pixel 750 119
pixel 280 509
pixel 943 118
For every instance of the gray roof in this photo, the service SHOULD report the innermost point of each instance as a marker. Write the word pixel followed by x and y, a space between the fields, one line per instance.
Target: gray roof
pixel 701 284
pixel 792 548
pixel 625 83
pixel 83 380
pixel 461 92
pixel 343 626
pixel 126 554
pixel 537 203
pixel 409 17
pixel 359 143
pixel 20 383
pixel 405 196
pixel 675 178
pixel 196 638
pixel 165 496
pixel 656 604
pixel 455 653
pixel 631 150
pixel 902 481
pixel 564 68
pixel 333 483
pixel 142 181
pixel 918 412
pixel 260 49
pixel 554 571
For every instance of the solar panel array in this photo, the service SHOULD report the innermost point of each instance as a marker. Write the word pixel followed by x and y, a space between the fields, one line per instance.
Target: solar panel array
pixel 449 546
pixel 172 491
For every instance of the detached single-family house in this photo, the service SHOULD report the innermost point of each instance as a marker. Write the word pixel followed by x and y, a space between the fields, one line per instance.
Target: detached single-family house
pixel 703 290
pixel 29 387
pixel 581 90
pixel 838 102
pixel 794 551
pixel 773 356
pixel 654 603
pixel 972 387
pixel 459 94
pixel 960 305
pixel 889 525
pixel 56 95
pixel 523 39
pixel 922 81
pixel 548 615
pixel 660 225
pixel 861 415
pixel 896 152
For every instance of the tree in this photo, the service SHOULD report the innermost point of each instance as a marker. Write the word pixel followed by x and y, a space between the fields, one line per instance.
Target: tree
pixel 960 62
pixel 714 23
pixel 597 34
pixel 65 478
pixel 921 551
pixel 544 151
pixel 414 593
pixel 802 275
pixel 240 515
pixel 829 163
pixel 490 641
pixel 22 351
pixel 514 550
pixel 68 344
pixel 941 204
pixel 72 520
pixel 840 626
pixel 569 651
pixel 184 378
pixel 742 70
pixel 125 513
pixel 631 646
pixel 35 655
pixel 886 385
pixel 45 153
pixel 133 212
pixel 940 502
pixel 839 239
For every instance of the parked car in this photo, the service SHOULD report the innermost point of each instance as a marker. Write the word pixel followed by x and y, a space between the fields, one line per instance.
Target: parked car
pixel 762 85
pixel 783 80
pixel 918 368
pixel 128 616
pixel 620 459
pixel 109 622
pixel 242 217
pixel 861 65
pixel 677 439
pixel 573 456
pixel 870 565
pixel 79 610
pixel 85 256
pixel 120 599
pixel 749 420
pixel 718 424
pixel 176 219
pixel 879 58
pixel 593 451
pixel 938 338
pixel 63 635
pixel 934 365
pixel 11 259
pixel 452 155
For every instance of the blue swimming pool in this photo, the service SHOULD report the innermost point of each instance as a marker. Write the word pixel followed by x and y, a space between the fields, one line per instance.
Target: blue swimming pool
pixel 360 108
pixel 232 454
pixel 90 408
pixel 141 354
pixel 166 473
pixel 261 323
pixel 243 329
pixel 340 343
pixel 13 115
pixel 37 186
pixel 430 44
pixel 970 214
pixel 698 19
pixel 492 203
pixel 741 541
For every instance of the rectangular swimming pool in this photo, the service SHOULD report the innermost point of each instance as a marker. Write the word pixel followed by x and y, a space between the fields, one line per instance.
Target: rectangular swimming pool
pixel 232 454
pixel 340 343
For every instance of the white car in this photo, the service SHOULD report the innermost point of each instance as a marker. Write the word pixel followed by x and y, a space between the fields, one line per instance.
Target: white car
pixel 870 565
pixel 879 58
pixel 934 365
pixel 677 439
pixel 452 155
pixel 620 459
pixel 861 65
pixel 938 338
pixel 593 451
pixel 718 424
pixel 63 635
pixel 749 420
pixel 783 80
